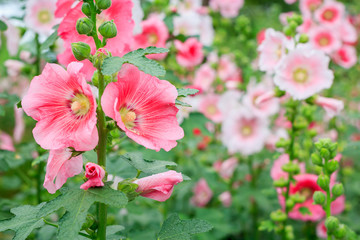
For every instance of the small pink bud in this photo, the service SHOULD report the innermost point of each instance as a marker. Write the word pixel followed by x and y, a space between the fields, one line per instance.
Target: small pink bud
pixel 95 175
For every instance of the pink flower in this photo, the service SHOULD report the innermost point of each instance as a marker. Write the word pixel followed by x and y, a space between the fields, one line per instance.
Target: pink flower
pixel 290 1
pixel 309 6
pixel 6 142
pixel 225 199
pixel 226 169
pixel 154 33
pixel 321 230
pixel 325 39
pixel 277 173
pixel 244 132
pixel 63 7
pixel 13 67
pixel 95 174
pixel 19 124
pixel 120 12
pixel 227 8
pixel 144 107
pixel 190 52
pixel 65 108
pixel 12 35
pixel 209 107
pixel 330 13
pixel 40 16
pixel 345 56
pixel 158 186
pixel 347 32
pixel 283 17
pixel 60 167
pixel 227 68
pixel 332 106
pixel 202 193
pixel 204 77
pixel 272 50
pixel 303 73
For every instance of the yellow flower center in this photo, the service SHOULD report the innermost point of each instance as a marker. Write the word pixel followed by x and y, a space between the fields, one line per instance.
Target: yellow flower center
pixel 80 104
pixel 44 16
pixel 211 109
pixel 279 51
pixel 324 41
pixel 128 117
pixel 328 15
pixel 152 38
pixel 246 131
pixel 300 75
pixel 306 192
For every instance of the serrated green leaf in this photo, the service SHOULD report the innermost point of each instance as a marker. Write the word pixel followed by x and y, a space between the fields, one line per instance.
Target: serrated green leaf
pixel 180 103
pixel 77 203
pixel 3 26
pixel 304 211
pixel 24 222
pixel 184 92
pixel 50 40
pixel 112 232
pixel 176 229
pixel 112 65
pixel 145 165
pixel 267 226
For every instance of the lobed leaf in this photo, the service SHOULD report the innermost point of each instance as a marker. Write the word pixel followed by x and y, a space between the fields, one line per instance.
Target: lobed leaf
pixel 184 92
pixel 3 26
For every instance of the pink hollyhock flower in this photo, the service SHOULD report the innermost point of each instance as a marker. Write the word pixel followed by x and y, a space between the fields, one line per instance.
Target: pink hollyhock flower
pixel 13 67
pixel 260 37
pixel 272 50
pixel 330 13
pixel 347 32
pixel 227 8
pixel 225 199
pixel 144 107
pixel 65 108
pixel 283 17
pixel 244 132
pixel 321 230
pixel 60 167
pixel 209 107
pixel 307 24
pixel 202 193
pixel 281 121
pixel 6 142
pixel 226 67
pixel 190 52
pixel 332 106
pixel 303 73
pixel 120 12
pixel 345 56
pixel 325 39
pixel 226 169
pixel 204 77
pixel 12 35
pixel 154 33
pixel 276 171
pixel 95 174
pixel 158 186
pixel 63 7
pixel 19 124
pixel 26 57
pixel 290 1
pixel 40 16
pixel 309 6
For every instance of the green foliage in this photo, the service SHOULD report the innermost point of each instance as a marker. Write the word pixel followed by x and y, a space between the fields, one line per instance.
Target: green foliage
pixel 176 229
pixel 267 226
pixel 180 103
pixel 183 92
pixel 304 211
pixel 138 58
pixel 10 99
pixel 50 40
pixel 3 26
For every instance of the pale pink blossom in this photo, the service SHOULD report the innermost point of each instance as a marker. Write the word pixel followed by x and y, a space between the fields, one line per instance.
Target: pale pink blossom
pixel 226 168
pixel 227 8
pixel 304 72
pixel 158 186
pixel 325 39
pixel 225 199
pixel 276 171
pixel 330 13
pixel 6 142
pixel 19 124
pixel 332 106
pixel 26 56
pixel 321 230
pixel 209 107
pixel 144 107
pixel 244 132
pixel 227 67
pixel 186 5
pixel 154 33
pixel 95 174
pixel 13 67
pixel 290 1
pixel 307 7
pixel 284 16
pixel 189 53
pixel 202 193
pixel 65 108
pixel 63 7
pixel 12 35
pixel 281 121
pixel 272 50
pixel 40 16
pixel 229 101
pixel 345 56
pixel 347 32
pixel 119 11
pixel 307 24
pixel 204 77
pixel 60 167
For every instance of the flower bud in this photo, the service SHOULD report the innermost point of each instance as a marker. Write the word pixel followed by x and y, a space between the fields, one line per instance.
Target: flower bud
pixel 99 57
pixel 282 143
pixel 319 197
pixel 324 153
pixel 103 4
pixel 340 232
pixel 85 8
pixel 316 159
pixel 84 26
pixel 288 31
pixel 337 190
pixel 90 220
pixel 278 92
pixel 332 166
pixel 278 216
pixel 303 38
pixel 297 198
pixel 108 29
pixel 312 133
pixel 289 204
pixel 331 224
pixel 290 167
pixel 323 181
pixel 301 123
pixel 80 50
pixel 281 183
pixel 293 25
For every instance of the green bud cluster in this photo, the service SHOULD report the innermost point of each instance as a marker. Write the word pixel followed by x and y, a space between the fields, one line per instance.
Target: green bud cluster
pixel 81 50
pixel 293 22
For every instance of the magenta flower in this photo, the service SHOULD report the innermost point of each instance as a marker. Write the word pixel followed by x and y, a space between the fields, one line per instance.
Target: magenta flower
pixel 158 186
pixel 95 174
pixel 60 167
pixel 202 193
pixel 190 52
pixel 144 107
pixel 65 108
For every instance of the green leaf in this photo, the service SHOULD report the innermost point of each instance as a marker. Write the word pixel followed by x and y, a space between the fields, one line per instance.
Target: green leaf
pixel 24 222
pixel 112 232
pixel 145 165
pixel 50 40
pixel 183 92
pixel 77 203
pixel 3 26
pixel 112 65
pixel 176 229
pixel 304 211
pixel 267 226
pixel 180 103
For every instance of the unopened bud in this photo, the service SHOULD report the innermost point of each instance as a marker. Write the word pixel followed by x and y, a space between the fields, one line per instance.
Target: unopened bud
pixel 332 166
pixel 281 182
pixel 340 232
pixel 108 29
pixel 323 181
pixel 289 204
pixel 290 167
pixel 331 224
pixel 85 8
pixel 316 159
pixel 103 4
pixel 278 216
pixel 99 57
pixel 319 198
pixel 84 26
pixel 324 153
pixel 337 190
pixel 303 38
pixel 80 50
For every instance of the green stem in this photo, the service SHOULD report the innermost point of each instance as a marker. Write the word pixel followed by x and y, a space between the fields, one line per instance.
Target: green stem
pixel 38 56
pixel 328 197
pixel 38 182
pixel 254 207
pixel 93 19
pixel 57 226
